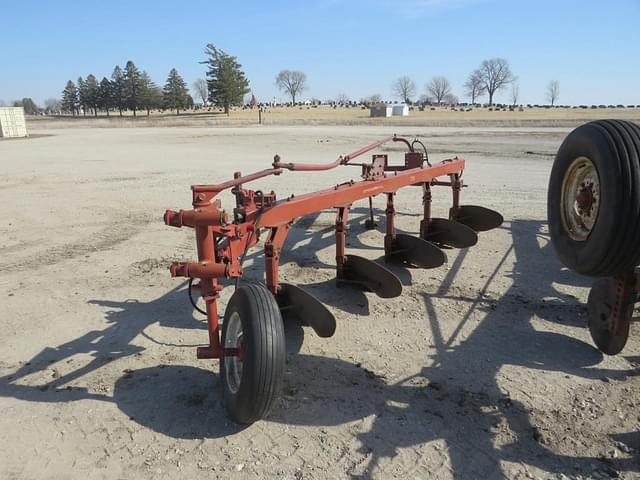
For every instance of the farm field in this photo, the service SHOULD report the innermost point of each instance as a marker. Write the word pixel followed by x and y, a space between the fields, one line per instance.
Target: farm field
pixel 326 115
pixel 483 368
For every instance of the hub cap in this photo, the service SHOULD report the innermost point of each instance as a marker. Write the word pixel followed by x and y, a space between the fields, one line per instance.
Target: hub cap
pixel 233 365
pixel 580 202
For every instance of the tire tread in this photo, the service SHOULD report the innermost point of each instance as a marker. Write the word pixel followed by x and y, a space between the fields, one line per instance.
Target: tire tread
pixel 614 243
pixel 259 387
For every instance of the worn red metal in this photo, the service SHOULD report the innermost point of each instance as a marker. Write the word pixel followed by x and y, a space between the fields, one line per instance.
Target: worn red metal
pixel 341 160
pixel 627 291
pixel 223 240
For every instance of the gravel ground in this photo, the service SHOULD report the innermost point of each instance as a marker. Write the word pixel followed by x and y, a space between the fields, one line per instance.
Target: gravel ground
pixel 483 368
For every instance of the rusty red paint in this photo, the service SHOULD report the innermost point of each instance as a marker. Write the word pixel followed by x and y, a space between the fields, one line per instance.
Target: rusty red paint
pixel 222 240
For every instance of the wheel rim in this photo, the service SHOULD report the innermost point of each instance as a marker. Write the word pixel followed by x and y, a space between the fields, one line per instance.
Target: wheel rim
pixel 233 365
pixel 580 198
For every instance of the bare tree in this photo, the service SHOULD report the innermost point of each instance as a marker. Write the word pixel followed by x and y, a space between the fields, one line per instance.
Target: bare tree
pixel 201 89
pixel 474 86
pixel 405 88
pixel 372 99
pixel 439 87
pixel 53 105
pixel 553 91
pixel 515 94
pixel 496 75
pixel 425 100
pixel 342 99
pixel 450 99
pixel 291 82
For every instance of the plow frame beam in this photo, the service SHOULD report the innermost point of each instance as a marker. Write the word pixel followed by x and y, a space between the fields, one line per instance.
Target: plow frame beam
pixel 223 241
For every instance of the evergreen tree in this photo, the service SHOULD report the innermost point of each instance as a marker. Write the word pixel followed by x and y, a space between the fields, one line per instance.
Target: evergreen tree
pixel 175 92
pixel 83 96
pixel 92 92
pixel 105 95
pixel 117 89
pixel 226 81
pixel 132 86
pixel 156 98
pixel 70 98
pixel 30 107
pixel 150 93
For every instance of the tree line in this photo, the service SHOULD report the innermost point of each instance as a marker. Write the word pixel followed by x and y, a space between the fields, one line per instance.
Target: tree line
pixel 127 89
pixel 134 90
pixel 226 85
pixel 489 78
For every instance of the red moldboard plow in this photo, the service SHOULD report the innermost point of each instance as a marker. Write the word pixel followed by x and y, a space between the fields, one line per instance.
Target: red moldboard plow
pixel 251 344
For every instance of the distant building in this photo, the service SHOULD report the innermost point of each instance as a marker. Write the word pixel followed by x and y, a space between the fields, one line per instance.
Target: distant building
pixel 381 110
pixel 12 123
pixel 401 110
pixel 388 110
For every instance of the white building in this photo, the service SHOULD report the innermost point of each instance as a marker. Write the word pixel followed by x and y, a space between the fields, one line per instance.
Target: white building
pixel 400 110
pixel 382 110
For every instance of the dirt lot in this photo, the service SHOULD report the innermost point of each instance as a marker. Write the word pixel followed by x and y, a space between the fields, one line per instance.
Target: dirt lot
pixel 481 369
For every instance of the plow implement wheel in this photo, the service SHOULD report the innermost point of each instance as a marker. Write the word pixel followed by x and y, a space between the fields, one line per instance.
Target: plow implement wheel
pixel 415 252
pixel 251 381
pixel 370 276
pixel 599 309
pixel 593 203
pixel 449 233
pixel 478 218
pixel 295 303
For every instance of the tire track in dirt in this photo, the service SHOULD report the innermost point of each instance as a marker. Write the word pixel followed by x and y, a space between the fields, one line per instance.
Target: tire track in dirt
pixel 104 239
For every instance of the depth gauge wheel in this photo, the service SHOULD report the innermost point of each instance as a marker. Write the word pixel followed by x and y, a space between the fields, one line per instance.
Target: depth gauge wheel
pixel 593 203
pixel 252 380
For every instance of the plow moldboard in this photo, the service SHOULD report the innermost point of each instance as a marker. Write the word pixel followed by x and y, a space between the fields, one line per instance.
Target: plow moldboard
pixel 371 276
pixel 306 309
pixel 450 233
pixel 416 252
pixel 478 218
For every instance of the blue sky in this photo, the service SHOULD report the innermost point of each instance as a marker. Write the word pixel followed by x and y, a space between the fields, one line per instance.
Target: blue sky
pixel 356 47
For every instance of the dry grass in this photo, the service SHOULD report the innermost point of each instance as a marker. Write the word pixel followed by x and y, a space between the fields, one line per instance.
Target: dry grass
pixel 325 115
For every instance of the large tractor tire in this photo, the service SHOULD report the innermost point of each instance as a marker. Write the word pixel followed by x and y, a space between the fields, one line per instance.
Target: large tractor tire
pixel 594 198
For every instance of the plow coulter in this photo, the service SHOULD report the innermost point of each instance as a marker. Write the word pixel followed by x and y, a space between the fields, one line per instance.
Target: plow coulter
pixel 251 345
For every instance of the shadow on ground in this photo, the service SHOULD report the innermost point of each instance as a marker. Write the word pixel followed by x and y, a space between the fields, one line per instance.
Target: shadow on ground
pixel 456 398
